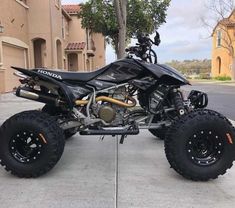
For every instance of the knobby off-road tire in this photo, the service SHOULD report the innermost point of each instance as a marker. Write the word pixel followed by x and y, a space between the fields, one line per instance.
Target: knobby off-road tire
pixel 31 143
pixel 53 111
pixel 160 133
pixel 201 145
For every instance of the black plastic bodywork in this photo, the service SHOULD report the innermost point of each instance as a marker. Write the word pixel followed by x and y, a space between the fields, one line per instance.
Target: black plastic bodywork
pixel 118 72
pixel 125 70
pixel 77 85
pixel 67 93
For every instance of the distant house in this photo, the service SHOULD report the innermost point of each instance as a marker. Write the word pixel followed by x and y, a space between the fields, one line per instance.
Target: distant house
pixel 223 36
pixel 44 33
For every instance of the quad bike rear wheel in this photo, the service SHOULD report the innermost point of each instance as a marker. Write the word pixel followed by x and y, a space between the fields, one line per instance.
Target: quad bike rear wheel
pixel 201 145
pixel 31 144
pixel 53 111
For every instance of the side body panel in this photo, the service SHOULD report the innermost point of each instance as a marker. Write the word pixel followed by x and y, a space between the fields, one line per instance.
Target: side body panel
pixel 119 72
pixel 165 74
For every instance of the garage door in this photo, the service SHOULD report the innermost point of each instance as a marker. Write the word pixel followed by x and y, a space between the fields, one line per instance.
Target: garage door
pixel 12 56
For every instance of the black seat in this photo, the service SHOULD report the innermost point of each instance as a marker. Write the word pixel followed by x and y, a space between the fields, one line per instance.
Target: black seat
pixel 72 76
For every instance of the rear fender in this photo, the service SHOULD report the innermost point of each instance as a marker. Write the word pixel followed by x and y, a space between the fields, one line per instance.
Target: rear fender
pixel 68 95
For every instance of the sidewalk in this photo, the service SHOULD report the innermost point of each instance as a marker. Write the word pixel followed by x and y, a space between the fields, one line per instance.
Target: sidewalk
pixel 10 105
pixel 226 83
pixel 105 174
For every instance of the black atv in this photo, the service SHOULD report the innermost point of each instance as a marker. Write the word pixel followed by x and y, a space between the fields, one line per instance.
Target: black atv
pixel 199 143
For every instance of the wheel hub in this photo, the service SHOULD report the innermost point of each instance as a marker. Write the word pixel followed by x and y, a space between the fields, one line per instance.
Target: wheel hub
pixel 205 147
pixel 26 147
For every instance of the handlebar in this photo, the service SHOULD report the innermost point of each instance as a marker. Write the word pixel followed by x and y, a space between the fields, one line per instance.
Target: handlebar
pixel 145 40
pixel 143 48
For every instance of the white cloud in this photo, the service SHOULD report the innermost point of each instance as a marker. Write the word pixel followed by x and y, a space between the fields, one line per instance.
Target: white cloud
pixel 187 13
pixel 183 36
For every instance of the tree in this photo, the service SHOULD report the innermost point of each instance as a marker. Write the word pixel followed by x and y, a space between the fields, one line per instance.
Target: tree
pixel 220 9
pixel 190 67
pixel 121 13
pixel 121 20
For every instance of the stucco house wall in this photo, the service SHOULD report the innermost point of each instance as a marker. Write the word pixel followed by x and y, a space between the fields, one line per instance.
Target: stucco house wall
pixel 221 57
pixel 44 34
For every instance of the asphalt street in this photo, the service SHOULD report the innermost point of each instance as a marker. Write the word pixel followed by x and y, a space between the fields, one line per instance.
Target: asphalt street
pixel 221 97
pixel 104 174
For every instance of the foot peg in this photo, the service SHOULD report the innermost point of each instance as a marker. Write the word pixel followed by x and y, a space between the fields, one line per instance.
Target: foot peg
pixel 122 139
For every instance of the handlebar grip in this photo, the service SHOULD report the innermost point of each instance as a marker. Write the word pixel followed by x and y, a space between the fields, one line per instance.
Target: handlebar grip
pixel 132 49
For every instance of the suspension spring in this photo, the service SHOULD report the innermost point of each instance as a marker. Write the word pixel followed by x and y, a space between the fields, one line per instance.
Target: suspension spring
pixel 178 101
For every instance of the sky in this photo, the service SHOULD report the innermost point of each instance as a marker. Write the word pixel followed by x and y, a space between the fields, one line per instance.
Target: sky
pixel 183 37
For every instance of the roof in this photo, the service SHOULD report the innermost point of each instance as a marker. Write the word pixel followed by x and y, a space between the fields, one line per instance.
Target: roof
pixel 72 8
pixel 66 14
pixel 76 46
pixel 226 22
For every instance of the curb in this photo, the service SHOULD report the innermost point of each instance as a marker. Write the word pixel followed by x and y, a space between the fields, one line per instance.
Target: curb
pixel 230 83
pixel 233 122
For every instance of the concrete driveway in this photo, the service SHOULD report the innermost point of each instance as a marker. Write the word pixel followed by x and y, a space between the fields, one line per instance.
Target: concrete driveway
pixel 100 174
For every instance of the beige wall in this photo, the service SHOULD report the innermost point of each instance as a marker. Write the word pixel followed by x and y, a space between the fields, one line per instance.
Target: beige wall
pixel 2 81
pixel 56 33
pixel 42 26
pixel 65 24
pixel 13 42
pixel 13 56
pixel 91 63
pixel 13 17
pixel 221 52
pixel 226 60
pixel 41 20
pixel 75 34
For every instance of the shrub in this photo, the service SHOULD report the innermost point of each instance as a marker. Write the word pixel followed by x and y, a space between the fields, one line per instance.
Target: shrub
pixel 223 78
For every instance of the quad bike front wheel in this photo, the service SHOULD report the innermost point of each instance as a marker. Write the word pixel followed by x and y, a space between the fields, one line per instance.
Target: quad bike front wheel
pixel 31 144
pixel 159 133
pixel 201 145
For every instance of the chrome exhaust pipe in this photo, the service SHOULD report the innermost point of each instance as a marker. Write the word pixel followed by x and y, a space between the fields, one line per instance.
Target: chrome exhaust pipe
pixel 31 94
pixel 26 94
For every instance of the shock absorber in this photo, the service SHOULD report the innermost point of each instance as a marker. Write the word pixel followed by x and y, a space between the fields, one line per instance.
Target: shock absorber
pixel 178 101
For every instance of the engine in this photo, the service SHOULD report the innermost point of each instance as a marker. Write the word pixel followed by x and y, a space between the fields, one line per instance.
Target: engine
pixel 107 113
pixel 110 112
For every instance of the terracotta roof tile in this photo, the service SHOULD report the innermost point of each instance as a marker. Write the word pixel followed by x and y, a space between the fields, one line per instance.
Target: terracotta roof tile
pixel 72 8
pixel 227 22
pixel 76 46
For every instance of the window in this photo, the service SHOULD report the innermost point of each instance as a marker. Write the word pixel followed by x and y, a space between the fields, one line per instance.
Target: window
pixel 219 64
pixel 219 38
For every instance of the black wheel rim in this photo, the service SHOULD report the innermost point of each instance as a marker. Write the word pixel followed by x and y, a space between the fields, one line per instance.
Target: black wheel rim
pixel 205 147
pixel 26 146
